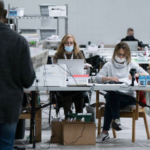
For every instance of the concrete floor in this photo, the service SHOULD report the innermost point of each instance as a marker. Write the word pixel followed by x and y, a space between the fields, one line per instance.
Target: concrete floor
pixel 122 142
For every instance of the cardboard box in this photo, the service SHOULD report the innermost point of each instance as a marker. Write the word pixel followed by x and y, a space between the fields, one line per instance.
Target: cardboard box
pixel 78 133
pixel 56 136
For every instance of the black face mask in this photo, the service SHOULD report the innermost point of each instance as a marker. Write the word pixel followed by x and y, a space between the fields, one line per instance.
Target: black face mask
pixel 130 37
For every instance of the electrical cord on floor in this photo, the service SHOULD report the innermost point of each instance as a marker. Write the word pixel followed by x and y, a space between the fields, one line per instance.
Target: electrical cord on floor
pixel 20 147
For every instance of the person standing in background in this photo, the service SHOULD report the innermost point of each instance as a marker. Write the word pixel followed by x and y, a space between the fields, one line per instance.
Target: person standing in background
pixel 16 73
pixel 130 37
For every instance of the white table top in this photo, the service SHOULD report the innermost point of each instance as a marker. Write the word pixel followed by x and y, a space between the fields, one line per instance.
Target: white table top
pixel 112 87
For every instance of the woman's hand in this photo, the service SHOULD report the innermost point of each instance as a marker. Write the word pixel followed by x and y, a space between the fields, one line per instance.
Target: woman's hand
pixel 114 79
pixel 86 65
pixel 130 77
pixel 136 75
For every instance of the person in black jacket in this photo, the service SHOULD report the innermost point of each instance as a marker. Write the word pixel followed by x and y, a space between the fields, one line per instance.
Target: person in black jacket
pixel 16 73
pixel 130 37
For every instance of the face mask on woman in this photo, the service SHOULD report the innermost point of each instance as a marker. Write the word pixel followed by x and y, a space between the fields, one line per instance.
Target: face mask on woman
pixel 69 48
pixel 120 60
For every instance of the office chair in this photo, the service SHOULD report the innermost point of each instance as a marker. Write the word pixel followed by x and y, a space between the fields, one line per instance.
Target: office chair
pixel 55 98
pixel 129 111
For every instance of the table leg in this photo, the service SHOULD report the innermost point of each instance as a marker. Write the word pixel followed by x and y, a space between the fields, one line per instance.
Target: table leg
pixel 32 124
pixel 149 69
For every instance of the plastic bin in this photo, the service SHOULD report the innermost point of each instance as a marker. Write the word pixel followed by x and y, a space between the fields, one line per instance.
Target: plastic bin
pixel 28 31
pixel 57 11
pixel 51 44
pixel 45 33
pixel 87 117
pixel 17 12
pixel 33 42
pixel 44 9
pixel 77 80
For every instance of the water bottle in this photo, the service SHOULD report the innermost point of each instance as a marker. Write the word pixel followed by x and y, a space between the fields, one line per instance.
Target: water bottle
pixel 102 45
pixel 88 45
pixel 146 51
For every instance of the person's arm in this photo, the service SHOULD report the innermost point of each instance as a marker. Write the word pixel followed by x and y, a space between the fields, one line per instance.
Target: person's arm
pixel 137 75
pixel 82 57
pixel 139 45
pixel 27 74
pixel 55 59
pixel 139 70
pixel 102 76
pixel 104 79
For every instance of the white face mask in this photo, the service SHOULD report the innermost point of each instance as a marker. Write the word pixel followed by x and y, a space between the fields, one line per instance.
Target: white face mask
pixel 120 60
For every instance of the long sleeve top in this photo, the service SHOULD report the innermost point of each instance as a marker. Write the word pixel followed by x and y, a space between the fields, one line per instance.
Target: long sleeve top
pixel 16 73
pixel 110 70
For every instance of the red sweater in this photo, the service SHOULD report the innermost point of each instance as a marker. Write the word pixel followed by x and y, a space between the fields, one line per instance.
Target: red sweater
pixel 141 96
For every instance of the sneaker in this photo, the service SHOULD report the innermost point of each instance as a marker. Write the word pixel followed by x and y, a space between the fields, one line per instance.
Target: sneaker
pixel 102 137
pixel 116 125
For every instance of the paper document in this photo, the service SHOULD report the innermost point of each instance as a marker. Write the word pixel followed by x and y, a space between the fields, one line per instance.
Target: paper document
pixel 39 57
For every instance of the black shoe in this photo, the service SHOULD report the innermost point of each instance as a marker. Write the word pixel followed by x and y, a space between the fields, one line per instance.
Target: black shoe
pixel 116 125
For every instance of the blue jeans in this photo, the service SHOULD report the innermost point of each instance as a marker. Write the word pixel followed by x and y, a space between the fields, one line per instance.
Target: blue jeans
pixel 7 135
pixel 114 102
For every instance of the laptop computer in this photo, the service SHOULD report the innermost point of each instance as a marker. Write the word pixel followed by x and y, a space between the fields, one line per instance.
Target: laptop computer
pixel 74 66
pixel 133 45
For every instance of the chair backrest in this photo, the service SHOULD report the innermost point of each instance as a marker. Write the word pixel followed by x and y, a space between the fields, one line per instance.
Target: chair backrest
pixel 95 61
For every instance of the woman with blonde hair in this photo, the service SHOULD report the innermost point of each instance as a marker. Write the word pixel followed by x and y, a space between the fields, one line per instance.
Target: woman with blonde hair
pixel 68 49
pixel 118 68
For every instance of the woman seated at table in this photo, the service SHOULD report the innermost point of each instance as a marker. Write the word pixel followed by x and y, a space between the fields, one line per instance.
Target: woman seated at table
pixel 118 68
pixel 68 49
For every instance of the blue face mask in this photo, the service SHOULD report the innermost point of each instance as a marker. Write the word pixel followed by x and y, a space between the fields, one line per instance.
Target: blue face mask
pixel 69 48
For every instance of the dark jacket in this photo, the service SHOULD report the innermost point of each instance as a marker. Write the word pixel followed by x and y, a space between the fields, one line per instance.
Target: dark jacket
pixel 133 39
pixel 16 73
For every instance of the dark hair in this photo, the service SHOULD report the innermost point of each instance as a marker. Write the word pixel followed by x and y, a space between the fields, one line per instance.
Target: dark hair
pixel 125 47
pixel 129 29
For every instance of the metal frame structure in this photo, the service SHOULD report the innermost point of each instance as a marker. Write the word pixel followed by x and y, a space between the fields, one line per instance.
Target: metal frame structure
pixel 16 18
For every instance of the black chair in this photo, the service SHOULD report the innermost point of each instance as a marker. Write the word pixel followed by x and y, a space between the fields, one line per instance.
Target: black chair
pixel 55 98
pixel 49 60
pixel 82 46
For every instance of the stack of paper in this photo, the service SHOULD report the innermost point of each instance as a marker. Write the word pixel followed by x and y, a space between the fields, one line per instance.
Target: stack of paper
pixel 39 57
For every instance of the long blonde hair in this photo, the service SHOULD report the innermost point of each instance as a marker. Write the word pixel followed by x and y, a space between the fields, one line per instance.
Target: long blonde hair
pixel 60 50
pixel 126 49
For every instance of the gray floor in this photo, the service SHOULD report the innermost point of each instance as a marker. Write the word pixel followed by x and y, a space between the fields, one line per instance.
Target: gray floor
pixel 122 142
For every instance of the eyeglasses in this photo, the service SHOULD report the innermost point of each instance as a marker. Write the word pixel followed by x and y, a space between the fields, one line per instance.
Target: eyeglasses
pixel 69 43
pixel 119 54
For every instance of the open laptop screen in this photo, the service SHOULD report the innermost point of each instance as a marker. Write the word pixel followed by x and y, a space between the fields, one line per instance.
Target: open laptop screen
pixel 74 66
pixel 133 45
